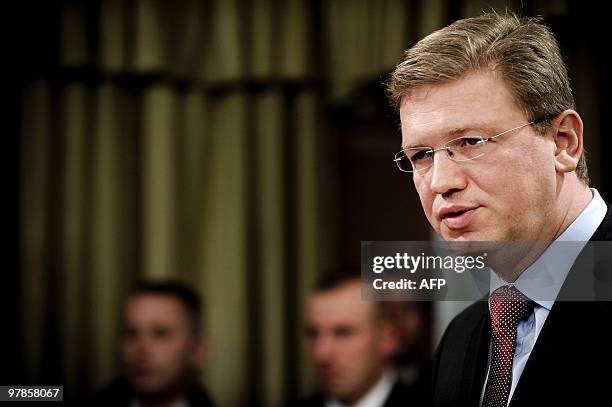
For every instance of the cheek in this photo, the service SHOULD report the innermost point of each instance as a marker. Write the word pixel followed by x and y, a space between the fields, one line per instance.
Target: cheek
pixel 426 197
pixel 425 194
pixel 536 165
pixel 522 183
pixel 364 348
pixel 172 352
pixel 129 350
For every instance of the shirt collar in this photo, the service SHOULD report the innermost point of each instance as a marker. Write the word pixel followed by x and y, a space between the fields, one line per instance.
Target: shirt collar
pixel 543 279
pixel 376 396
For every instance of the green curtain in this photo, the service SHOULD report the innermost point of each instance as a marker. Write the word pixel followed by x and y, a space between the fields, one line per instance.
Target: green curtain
pixel 187 140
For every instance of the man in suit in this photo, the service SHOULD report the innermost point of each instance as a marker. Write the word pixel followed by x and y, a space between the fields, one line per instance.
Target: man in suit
pixel 412 320
pixel 162 347
pixel 351 342
pixel 495 150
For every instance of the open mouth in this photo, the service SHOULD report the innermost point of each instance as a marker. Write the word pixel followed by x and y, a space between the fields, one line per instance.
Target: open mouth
pixel 455 214
pixel 458 219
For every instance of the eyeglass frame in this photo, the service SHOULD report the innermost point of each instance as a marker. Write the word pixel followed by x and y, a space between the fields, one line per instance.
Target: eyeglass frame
pixel 483 141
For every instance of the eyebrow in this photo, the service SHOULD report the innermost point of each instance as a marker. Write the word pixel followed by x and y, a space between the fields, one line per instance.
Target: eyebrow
pixel 457 132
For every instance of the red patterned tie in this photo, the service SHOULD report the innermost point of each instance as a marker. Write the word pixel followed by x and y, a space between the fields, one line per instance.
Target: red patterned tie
pixel 508 307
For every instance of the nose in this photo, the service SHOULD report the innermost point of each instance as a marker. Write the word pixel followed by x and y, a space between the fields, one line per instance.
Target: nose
pixel 322 349
pixel 139 346
pixel 447 176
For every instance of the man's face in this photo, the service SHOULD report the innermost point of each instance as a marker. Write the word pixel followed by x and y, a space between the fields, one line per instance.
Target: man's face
pixel 347 343
pixel 159 346
pixel 503 195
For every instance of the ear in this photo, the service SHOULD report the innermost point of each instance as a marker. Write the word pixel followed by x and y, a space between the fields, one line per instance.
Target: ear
pixel 567 135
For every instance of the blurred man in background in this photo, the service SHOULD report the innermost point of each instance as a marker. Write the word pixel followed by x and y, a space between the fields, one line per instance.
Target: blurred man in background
pixel 351 343
pixel 162 348
pixel 412 319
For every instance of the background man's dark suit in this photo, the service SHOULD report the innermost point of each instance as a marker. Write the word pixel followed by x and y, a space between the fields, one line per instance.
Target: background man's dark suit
pixel 569 364
pixel 120 394
pixel 401 395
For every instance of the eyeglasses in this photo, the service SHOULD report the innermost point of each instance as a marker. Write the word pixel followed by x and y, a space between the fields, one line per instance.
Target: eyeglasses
pixel 419 159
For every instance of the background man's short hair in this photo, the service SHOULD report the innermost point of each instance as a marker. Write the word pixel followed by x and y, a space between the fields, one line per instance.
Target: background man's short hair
pixel 334 278
pixel 188 297
pixel 523 51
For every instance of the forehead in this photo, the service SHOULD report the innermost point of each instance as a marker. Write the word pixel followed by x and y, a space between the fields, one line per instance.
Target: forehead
pixel 479 101
pixel 154 308
pixel 339 306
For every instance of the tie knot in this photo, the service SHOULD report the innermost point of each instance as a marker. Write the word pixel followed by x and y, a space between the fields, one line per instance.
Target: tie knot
pixel 508 307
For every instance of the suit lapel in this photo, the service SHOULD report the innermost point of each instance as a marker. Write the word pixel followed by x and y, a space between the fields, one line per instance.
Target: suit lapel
pixel 476 358
pixel 547 348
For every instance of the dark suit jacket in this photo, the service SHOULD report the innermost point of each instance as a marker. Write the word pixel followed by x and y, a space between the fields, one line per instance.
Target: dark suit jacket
pixel 119 394
pixel 401 395
pixel 569 364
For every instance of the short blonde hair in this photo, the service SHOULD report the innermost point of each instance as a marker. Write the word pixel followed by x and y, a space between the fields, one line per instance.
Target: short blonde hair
pixel 523 51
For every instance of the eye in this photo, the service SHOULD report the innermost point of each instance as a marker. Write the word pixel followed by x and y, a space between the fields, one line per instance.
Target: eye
pixel 311 333
pixel 343 332
pixel 421 155
pixel 471 142
pixel 161 333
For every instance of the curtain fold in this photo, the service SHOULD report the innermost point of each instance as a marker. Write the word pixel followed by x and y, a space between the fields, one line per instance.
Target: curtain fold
pixel 74 109
pixel 270 183
pixel 159 192
pixel 108 234
pixel 34 231
pixel 310 231
pixel 224 251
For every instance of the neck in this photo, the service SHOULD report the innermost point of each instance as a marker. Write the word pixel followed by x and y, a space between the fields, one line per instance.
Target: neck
pixel 572 201
pixel 353 399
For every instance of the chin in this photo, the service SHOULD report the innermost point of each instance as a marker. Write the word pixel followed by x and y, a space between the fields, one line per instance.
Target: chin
pixel 461 236
pixel 473 235
pixel 150 387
